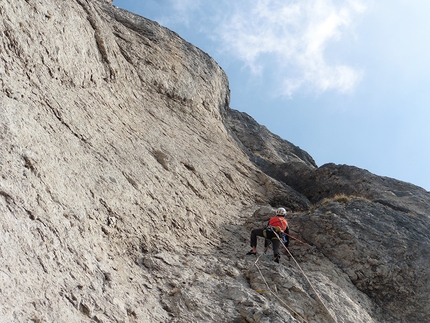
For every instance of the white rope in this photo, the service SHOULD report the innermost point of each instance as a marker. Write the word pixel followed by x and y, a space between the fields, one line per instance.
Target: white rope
pixel 274 294
pixel 306 277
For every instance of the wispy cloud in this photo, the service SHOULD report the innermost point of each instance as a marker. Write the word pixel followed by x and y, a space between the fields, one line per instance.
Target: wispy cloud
pixel 288 38
pixel 294 35
pixel 179 12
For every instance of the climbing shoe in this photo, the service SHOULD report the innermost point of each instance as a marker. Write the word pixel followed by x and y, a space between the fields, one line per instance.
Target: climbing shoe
pixel 277 257
pixel 251 253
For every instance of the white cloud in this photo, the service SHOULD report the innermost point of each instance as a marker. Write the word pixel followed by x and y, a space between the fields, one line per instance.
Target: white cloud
pixel 288 37
pixel 293 35
pixel 179 12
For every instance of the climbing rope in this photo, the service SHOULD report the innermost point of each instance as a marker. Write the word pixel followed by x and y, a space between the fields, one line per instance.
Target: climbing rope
pixel 306 244
pixel 274 294
pixel 309 282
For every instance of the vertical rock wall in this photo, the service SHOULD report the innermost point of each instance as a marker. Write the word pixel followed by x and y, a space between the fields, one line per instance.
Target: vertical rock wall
pixel 128 188
pixel 112 148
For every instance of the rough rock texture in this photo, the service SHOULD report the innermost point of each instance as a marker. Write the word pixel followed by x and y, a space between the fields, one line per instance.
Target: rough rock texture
pixel 375 229
pixel 263 147
pixel 384 251
pixel 128 189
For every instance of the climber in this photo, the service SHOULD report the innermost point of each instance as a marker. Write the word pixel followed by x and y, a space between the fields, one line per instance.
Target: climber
pixel 276 224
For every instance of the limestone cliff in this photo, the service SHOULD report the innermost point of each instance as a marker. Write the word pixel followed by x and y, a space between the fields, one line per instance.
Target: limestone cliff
pixel 128 189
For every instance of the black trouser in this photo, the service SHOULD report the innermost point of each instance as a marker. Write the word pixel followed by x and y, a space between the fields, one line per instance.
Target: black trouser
pixel 269 235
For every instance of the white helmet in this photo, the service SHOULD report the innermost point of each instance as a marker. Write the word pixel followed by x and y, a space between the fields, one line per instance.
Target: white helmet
pixel 281 211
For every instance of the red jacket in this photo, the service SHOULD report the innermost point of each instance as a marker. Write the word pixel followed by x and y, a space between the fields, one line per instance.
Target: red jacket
pixel 279 221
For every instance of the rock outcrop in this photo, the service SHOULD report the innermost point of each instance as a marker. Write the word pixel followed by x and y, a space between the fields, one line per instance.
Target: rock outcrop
pixel 128 189
pixel 376 229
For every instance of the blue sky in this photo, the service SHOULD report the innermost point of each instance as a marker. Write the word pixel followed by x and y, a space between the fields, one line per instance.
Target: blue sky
pixel 347 81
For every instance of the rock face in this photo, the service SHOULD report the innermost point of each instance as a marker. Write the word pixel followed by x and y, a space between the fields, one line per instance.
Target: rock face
pixel 129 187
pixel 375 229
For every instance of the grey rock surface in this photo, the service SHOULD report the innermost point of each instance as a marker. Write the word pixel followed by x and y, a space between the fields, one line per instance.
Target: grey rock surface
pixel 263 147
pixel 128 189
pixel 376 229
